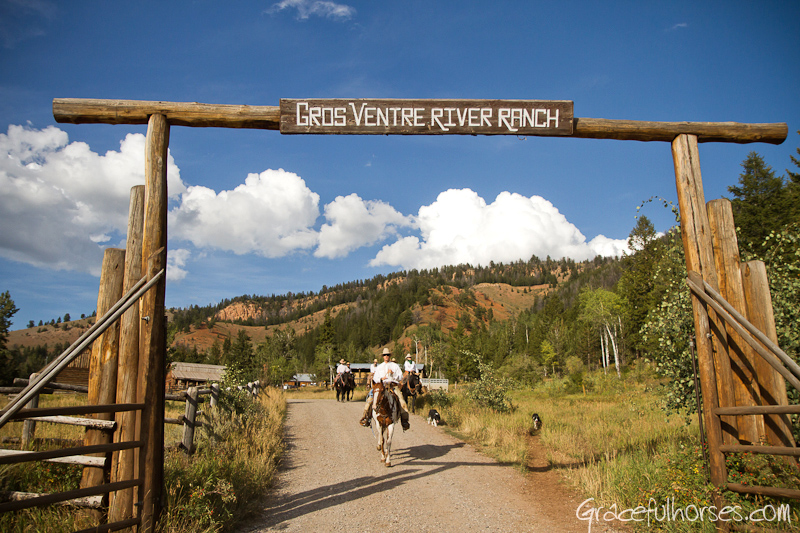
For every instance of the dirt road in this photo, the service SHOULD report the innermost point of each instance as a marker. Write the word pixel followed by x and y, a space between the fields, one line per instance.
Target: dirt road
pixel 332 480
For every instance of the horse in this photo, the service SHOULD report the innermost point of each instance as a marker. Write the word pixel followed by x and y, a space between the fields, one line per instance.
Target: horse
pixel 411 387
pixel 384 417
pixel 345 386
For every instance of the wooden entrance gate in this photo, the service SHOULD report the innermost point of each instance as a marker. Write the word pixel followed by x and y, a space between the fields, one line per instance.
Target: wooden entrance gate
pixel 744 392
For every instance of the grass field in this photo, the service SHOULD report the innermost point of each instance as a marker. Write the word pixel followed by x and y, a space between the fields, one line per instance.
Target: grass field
pixel 613 443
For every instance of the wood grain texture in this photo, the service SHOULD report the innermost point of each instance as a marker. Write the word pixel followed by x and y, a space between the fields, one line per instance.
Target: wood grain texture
pixel 697 247
pixel 193 114
pixel 726 260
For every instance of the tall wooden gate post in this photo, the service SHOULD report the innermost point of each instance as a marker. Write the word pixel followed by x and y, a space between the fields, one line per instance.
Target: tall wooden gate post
pixel 778 428
pixel 105 352
pixel 121 505
pixel 153 337
pixel 741 356
pixel 696 238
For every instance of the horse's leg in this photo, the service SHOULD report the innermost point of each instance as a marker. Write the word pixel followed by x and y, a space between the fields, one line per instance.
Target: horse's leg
pixel 387 446
pixel 412 405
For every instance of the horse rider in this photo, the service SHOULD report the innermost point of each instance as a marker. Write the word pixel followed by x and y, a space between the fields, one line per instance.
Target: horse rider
pixel 409 367
pixel 340 370
pixel 390 374
pixel 372 368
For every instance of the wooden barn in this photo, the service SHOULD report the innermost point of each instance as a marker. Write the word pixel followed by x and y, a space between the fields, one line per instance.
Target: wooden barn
pixel 77 372
pixel 300 380
pixel 181 376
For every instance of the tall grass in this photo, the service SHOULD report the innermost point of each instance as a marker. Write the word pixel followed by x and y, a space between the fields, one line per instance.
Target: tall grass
pixel 613 443
pixel 235 462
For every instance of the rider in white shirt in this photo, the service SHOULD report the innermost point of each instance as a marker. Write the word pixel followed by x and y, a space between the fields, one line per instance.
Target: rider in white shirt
pixel 389 373
pixel 341 369
pixel 409 366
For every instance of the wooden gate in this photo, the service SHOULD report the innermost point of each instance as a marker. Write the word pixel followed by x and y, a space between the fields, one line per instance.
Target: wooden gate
pixel 744 392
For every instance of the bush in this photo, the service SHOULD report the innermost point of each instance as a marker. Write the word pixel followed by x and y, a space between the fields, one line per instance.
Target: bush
pixel 489 391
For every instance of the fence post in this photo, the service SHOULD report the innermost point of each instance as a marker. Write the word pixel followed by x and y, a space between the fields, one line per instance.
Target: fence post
pixel 152 331
pixel 696 237
pixel 214 394
pixel 103 364
pixel 729 277
pixel 773 387
pixel 123 467
pixel 190 417
pixel 29 426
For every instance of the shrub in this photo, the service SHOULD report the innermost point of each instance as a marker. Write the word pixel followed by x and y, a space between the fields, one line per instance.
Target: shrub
pixel 489 391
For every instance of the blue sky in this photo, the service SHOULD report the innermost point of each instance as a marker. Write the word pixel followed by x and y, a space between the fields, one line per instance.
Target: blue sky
pixel 255 212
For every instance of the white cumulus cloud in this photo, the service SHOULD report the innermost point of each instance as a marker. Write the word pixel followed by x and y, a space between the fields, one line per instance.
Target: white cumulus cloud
pixel 60 202
pixel 460 227
pixel 354 223
pixel 176 261
pixel 271 214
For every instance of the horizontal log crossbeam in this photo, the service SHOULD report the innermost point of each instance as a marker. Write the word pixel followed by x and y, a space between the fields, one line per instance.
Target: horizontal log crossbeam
pixel 89 502
pixel 767 450
pixel 193 114
pixel 774 492
pixel 25 456
pixel 75 410
pixel 84 460
pixel 50 499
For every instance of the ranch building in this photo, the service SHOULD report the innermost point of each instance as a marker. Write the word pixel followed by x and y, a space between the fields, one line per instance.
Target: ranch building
pixel 181 376
pixel 300 380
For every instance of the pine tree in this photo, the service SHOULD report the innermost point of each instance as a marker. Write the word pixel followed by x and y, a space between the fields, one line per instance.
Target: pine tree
pixel 636 283
pixel 7 310
pixel 760 204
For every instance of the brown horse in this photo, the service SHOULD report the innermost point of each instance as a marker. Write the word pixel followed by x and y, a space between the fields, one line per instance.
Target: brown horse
pixel 411 387
pixel 345 385
pixel 384 417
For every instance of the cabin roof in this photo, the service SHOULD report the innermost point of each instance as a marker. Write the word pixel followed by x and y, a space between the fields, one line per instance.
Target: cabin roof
pixel 305 378
pixel 197 371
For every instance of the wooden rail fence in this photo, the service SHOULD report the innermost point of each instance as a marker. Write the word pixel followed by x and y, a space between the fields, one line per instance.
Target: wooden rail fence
pixel 95 497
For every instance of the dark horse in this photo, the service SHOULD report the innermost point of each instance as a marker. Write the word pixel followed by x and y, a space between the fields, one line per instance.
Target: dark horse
pixel 411 387
pixel 345 385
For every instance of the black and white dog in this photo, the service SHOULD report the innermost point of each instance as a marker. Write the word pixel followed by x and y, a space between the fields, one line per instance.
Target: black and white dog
pixel 433 417
pixel 536 423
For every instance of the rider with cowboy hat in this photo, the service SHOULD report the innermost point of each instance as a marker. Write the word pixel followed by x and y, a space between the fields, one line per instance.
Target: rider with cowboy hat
pixel 409 367
pixel 389 373
pixel 341 369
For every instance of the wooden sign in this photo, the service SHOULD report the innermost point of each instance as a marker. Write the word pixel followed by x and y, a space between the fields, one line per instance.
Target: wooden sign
pixel 426 117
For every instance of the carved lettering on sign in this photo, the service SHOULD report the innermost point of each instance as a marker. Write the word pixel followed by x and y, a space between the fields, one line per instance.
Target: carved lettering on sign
pixel 427 117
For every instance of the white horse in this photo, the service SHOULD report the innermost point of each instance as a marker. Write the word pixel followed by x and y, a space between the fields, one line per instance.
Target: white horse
pixel 384 417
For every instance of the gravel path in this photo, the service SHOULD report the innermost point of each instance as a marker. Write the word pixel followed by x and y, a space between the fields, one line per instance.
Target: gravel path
pixel 332 480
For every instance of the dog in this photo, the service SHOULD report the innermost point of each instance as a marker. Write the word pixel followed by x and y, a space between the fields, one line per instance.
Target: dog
pixel 433 418
pixel 536 423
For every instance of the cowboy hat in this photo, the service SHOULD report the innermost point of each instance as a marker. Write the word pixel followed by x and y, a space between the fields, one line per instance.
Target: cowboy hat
pixel 408 356
pixel 386 352
pixel 341 361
